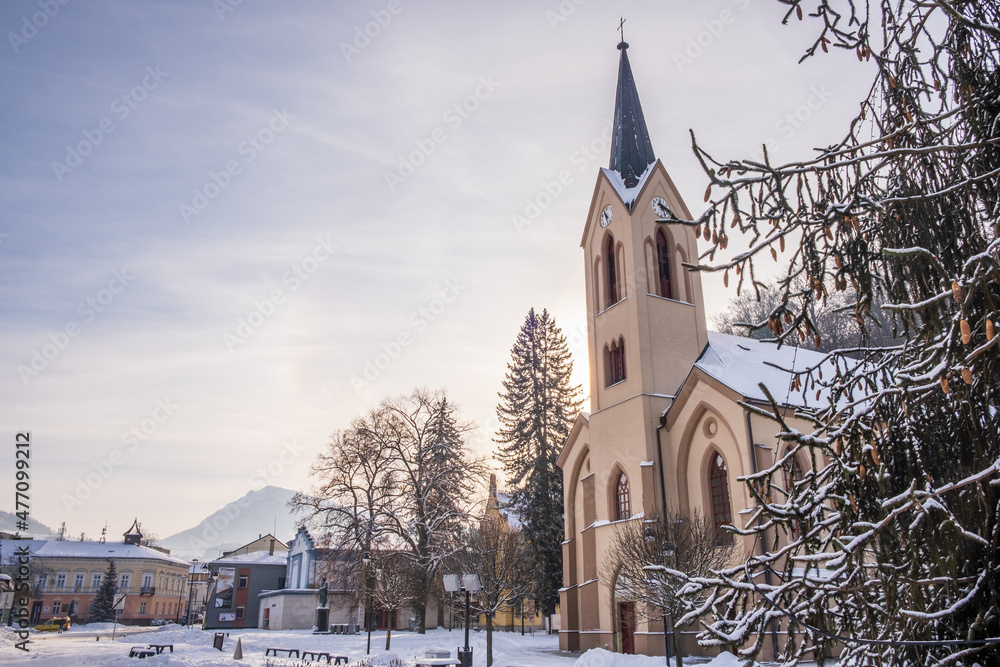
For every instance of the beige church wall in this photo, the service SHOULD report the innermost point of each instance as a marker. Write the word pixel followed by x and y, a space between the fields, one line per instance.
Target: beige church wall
pixel 689 449
pixel 669 364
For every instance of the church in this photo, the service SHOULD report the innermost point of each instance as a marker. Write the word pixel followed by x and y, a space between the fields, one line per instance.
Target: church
pixel 666 428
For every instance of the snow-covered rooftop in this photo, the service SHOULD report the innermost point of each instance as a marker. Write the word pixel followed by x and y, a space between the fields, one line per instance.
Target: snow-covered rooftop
pixel 255 558
pixel 9 547
pixel 628 195
pixel 743 363
pixel 68 549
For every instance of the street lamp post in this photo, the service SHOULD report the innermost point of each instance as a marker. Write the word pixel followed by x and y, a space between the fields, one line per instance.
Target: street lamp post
pixel 367 560
pixel 468 583
pixel 191 582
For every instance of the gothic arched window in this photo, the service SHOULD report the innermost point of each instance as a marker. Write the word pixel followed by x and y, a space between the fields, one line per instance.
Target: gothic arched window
pixel 612 276
pixel 615 362
pixel 718 479
pixel 793 473
pixel 663 264
pixel 623 504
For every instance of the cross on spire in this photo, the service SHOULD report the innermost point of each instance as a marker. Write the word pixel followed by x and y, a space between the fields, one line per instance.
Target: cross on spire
pixel 621 27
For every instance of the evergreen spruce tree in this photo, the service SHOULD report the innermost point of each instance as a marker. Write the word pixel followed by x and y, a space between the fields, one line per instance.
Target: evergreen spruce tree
pixel 536 412
pixel 102 606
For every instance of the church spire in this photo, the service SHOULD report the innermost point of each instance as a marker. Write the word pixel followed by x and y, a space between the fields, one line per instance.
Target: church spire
pixel 631 150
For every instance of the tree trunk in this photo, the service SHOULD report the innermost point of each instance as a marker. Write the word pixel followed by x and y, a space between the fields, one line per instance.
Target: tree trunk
pixel 489 640
pixel 420 610
pixel 677 647
pixel 388 636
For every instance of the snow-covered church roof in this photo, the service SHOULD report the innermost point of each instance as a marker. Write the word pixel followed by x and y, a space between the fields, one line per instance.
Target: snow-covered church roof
pixel 742 364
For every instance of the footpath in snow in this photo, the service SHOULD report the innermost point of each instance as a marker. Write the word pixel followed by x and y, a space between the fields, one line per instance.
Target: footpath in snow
pixel 193 646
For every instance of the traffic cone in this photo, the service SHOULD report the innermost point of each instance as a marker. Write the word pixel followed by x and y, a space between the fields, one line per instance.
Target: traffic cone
pixel 238 653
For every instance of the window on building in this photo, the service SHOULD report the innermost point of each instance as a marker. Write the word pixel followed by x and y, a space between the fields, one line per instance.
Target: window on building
pixel 612 275
pixel 623 503
pixel 142 607
pixel 61 580
pixel 793 474
pixel 73 606
pixel 147 580
pixel 718 478
pixel 615 362
pixel 124 581
pixel 240 612
pixel 78 581
pixel 156 608
pixel 42 580
pixel 56 607
pixel 95 580
pixel 243 581
pixel 663 264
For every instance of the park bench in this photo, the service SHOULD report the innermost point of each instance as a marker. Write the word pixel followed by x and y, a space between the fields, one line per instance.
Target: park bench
pixel 160 647
pixel 319 655
pixel 287 651
pixel 140 652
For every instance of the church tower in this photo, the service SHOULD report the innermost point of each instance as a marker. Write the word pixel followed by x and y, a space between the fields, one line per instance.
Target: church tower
pixel 669 426
pixel 646 314
pixel 646 328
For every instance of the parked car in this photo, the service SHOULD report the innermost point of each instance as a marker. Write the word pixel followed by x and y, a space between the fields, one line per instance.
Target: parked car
pixel 54 624
pixel 157 621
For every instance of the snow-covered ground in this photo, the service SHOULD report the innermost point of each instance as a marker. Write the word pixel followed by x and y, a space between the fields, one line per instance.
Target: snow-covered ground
pixel 192 646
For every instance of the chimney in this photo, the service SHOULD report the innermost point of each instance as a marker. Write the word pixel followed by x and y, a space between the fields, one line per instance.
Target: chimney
pixel 270 551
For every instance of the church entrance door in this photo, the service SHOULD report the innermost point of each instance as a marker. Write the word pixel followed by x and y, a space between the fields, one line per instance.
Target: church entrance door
pixel 626 615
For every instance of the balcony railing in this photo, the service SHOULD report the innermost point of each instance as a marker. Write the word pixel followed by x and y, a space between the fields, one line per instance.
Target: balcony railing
pixel 147 590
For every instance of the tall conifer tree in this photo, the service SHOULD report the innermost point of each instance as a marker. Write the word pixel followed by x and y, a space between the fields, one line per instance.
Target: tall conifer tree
pixel 102 607
pixel 536 412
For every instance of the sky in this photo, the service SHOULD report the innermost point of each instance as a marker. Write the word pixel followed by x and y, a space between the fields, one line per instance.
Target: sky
pixel 227 227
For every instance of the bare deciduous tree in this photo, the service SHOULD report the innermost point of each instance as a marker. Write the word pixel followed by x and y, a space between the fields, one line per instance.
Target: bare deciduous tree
pixel 654 559
pixel 399 479
pixel 500 556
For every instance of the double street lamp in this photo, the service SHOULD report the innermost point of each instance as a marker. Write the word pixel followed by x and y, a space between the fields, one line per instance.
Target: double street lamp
pixel 470 584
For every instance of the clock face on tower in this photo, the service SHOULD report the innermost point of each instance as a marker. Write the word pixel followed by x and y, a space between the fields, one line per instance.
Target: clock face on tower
pixel 661 209
pixel 606 215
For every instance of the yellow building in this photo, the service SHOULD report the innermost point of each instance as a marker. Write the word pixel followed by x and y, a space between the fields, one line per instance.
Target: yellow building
pixel 66 576
pixel 519 615
pixel 666 427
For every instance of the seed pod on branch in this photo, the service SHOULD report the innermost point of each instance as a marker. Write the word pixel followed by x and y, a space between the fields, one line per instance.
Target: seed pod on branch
pixel 875 457
pixel 956 291
pixel 967 375
pixel 945 387
pixel 990 330
pixel 966 331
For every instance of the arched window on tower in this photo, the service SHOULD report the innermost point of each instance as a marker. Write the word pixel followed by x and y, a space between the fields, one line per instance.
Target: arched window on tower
pixel 623 503
pixel 615 362
pixel 793 474
pixel 663 264
pixel 718 479
pixel 609 250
